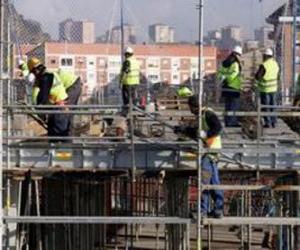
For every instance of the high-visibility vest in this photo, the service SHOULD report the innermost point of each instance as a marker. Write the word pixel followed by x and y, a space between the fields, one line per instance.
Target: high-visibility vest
pixel 214 142
pixel 232 75
pixel 34 94
pixel 269 83
pixel 24 70
pixel 133 76
pixel 57 92
pixel 184 92
pixel 67 78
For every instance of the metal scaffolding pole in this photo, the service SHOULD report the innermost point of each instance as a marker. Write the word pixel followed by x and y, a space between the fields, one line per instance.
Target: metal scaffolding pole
pixel 200 92
pixel 1 121
pixel 295 35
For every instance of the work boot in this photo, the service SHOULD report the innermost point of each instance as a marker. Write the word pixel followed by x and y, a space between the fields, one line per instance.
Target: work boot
pixel 217 214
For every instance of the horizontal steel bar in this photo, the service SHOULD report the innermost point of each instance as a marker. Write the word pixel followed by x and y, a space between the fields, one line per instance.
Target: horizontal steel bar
pixel 293 221
pixel 75 112
pixel 286 188
pixel 219 113
pixel 148 146
pixel 79 106
pixel 63 138
pixel 94 220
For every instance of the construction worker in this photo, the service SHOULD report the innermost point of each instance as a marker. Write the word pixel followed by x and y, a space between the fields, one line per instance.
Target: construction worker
pixel 230 76
pixel 25 72
pixel 129 78
pixel 211 137
pixel 267 83
pixel 48 89
pixel 71 82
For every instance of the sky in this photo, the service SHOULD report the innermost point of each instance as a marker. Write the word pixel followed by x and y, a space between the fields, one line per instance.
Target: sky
pixel 180 14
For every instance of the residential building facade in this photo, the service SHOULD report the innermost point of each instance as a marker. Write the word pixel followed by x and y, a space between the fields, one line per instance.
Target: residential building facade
pixel 99 65
pixel 114 36
pixel 77 31
pixel 161 33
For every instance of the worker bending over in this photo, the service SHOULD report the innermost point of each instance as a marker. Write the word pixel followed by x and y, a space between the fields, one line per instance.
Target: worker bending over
pixel 230 76
pixel 211 137
pixel 71 82
pixel 49 90
pixel 267 82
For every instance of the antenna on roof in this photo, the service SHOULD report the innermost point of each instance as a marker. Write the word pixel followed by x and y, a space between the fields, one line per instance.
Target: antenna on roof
pixel 122 29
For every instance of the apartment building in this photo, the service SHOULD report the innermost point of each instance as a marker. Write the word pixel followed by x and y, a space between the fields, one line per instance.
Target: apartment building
pixel 99 65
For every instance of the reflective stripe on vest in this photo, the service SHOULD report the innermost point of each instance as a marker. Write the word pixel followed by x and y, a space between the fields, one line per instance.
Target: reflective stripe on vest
pixel 133 76
pixel 233 81
pixel 57 92
pixel 34 95
pixel 269 84
pixel 214 142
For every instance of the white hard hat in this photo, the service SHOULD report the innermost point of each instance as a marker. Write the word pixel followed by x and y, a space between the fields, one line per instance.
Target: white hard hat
pixel 129 50
pixel 238 50
pixel 268 52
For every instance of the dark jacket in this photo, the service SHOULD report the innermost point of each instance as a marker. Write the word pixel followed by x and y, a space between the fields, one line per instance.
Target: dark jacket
pixel 213 123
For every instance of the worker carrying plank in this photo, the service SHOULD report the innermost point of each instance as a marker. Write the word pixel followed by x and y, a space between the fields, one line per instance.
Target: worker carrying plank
pixel 211 137
pixel 56 88
pixel 230 76
pixel 267 83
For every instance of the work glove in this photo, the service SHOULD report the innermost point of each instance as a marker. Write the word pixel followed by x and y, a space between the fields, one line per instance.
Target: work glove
pixel 203 134
pixel 20 63
pixel 178 129
pixel 222 78
pixel 31 78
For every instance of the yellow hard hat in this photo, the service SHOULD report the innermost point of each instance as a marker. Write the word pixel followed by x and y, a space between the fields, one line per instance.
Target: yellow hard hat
pixel 33 63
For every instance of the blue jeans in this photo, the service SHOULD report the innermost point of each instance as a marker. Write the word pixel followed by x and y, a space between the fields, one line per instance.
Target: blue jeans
pixel 210 176
pixel 269 99
pixel 232 103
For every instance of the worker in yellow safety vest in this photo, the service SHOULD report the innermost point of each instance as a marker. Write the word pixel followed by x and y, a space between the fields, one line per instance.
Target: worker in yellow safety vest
pixel 71 82
pixel 129 78
pixel 49 90
pixel 267 78
pixel 230 76
pixel 211 137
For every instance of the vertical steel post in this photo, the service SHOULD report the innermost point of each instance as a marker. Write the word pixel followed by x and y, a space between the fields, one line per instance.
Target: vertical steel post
pixel 295 34
pixel 122 28
pixel 200 91
pixel 1 122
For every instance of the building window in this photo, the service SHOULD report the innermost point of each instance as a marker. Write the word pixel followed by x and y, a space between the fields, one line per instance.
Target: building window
pixel 112 76
pixel 52 61
pixel 175 77
pixel 152 63
pixel 102 62
pixel 153 78
pixel 114 63
pixel 66 62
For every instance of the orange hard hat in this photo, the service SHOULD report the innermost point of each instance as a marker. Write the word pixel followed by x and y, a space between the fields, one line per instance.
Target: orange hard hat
pixel 33 63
